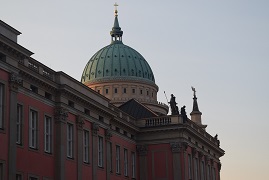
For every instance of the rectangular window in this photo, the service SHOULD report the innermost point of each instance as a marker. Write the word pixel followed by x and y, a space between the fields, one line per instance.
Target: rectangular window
pixel 124 90
pixel 1 106
pixel 189 166
pixel 47 134
pixel 100 151
pixel 116 90
pixel 125 162
pixel 18 177
pixel 69 140
pixel 133 165
pixel 101 118
pixel 19 124
pixel 34 89
pixel 141 91
pixel 1 170
pixel 110 156
pixel 118 159
pixel 86 146
pixel 33 178
pixel 33 129
pixel 133 90
pixel 106 91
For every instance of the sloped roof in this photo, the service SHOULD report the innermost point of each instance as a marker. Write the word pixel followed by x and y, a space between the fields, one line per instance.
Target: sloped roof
pixel 137 110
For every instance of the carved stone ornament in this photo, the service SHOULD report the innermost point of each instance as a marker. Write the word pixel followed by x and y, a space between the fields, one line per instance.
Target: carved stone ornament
pixel 194 151
pixel 184 146
pixel 108 134
pixel 142 150
pixel 95 128
pixel 175 147
pixel 219 166
pixel 15 81
pixel 207 160
pixel 80 122
pixel 200 154
pixel 60 114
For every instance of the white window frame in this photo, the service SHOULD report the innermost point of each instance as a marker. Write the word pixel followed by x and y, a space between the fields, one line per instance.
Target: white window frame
pixel 69 138
pixel 86 148
pixel 133 165
pixel 117 159
pixel 47 134
pixel 125 153
pixel 100 151
pixel 33 129
pixel 2 97
pixel 19 124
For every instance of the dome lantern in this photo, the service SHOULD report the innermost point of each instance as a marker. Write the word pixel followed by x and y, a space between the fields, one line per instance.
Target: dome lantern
pixel 116 33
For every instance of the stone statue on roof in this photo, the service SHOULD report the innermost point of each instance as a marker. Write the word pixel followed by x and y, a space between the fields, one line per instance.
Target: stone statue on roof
pixel 173 105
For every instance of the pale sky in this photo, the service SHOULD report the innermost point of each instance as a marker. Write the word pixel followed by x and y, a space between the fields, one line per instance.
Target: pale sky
pixel 221 47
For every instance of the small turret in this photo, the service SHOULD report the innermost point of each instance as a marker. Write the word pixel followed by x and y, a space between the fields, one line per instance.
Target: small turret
pixel 116 33
pixel 196 115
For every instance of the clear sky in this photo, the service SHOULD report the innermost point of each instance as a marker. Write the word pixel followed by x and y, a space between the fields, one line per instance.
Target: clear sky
pixel 221 47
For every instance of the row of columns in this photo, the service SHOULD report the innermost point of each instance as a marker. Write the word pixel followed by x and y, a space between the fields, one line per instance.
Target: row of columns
pixel 179 155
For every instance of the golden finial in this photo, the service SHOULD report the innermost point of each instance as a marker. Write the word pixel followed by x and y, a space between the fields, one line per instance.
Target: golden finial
pixel 116 11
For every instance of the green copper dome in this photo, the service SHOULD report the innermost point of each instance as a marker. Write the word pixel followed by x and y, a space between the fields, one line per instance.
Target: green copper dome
pixel 117 62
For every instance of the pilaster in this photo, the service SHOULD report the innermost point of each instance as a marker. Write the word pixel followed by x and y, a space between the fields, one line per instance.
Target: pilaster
pixel 95 129
pixel 60 116
pixel 142 151
pixel 80 123
pixel 14 82
pixel 176 148
pixel 108 136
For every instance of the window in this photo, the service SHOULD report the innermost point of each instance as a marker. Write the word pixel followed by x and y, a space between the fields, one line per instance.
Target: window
pixel 34 89
pixel 71 103
pixel 33 129
pixel 202 170
pixel 116 90
pixel 47 134
pixel 133 165
pixel 106 91
pixel 1 170
pixel 69 140
pixel 87 111
pixel 118 159
pixel 125 162
pixel 141 91
pixel 86 146
pixel 98 91
pixel 101 118
pixel 1 106
pixel 18 177
pixel 147 93
pixel 133 90
pixel 110 156
pixel 100 151
pixel 124 90
pixel 48 95
pixel 19 124
pixel 189 166
pixel 33 178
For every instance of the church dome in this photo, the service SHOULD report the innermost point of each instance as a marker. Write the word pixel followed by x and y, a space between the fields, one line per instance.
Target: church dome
pixel 117 62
